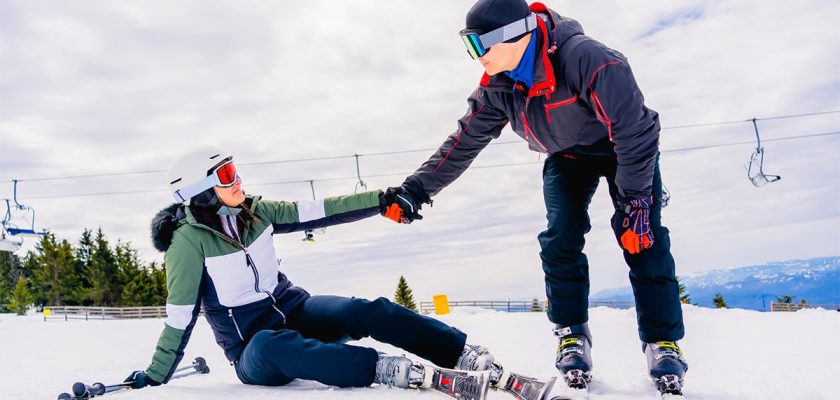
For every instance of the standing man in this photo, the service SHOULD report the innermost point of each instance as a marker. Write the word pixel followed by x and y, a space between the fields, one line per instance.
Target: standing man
pixel 575 100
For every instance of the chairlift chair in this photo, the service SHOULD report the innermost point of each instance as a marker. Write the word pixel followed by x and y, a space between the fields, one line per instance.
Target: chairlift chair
pixel 7 244
pixel 14 229
pixel 10 229
pixel 755 167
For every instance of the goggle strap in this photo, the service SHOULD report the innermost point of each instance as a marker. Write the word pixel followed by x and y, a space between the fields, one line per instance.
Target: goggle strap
pixel 509 31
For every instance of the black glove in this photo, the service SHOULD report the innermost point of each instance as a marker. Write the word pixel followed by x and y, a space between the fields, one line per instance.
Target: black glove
pixel 139 380
pixel 398 205
pixel 632 223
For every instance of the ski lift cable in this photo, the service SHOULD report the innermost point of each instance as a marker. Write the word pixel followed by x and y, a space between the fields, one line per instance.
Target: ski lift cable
pixel 109 174
pixel 713 146
pixel 705 124
pixel 345 178
pixel 385 153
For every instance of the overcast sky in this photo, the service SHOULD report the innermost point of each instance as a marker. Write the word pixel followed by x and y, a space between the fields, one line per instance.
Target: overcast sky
pixel 102 87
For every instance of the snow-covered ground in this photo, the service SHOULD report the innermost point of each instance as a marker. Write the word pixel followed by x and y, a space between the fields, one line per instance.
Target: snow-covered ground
pixel 732 354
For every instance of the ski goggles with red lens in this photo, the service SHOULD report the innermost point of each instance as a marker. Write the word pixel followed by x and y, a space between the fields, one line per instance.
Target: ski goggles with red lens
pixel 479 44
pixel 224 175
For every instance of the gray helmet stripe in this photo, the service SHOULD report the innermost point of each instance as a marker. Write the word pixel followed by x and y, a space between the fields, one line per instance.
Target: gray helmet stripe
pixel 509 31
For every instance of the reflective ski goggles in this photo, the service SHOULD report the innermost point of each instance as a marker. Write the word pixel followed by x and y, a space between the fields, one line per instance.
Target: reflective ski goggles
pixel 478 45
pixel 224 175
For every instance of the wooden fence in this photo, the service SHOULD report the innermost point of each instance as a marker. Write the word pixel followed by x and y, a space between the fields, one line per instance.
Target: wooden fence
pixel 427 307
pixel 789 307
pixel 105 313
pixel 102 313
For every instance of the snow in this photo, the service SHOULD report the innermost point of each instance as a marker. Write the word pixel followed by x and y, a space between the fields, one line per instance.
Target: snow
pixel 732 354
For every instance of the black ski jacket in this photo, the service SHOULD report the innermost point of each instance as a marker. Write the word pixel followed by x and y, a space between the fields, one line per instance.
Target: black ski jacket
pixel 584 100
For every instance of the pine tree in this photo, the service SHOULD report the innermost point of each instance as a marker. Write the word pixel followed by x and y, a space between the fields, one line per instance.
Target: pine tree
pixel 535 305
pixel 21 298
pixel 158 275
pixel 139 292
pixel 403 295
pixel 719 301
pixel 102 273
pixel 785 299
pixel 685 298
pixel 84 257
pixel 52 270
pixel 130 271
pixel 10 271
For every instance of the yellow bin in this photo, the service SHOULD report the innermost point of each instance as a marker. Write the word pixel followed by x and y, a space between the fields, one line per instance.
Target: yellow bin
pixel 441 304
pixel 46 312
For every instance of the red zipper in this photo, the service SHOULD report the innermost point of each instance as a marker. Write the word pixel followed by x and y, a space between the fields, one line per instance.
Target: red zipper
pixel 601 114
pixel 529 132
pixel 551 106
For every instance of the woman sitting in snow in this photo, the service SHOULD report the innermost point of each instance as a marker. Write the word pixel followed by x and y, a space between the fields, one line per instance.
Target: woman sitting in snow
pixel 220 256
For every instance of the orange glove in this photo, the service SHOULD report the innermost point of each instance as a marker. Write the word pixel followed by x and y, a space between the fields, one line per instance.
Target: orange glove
pixel 634 243
pixel 394 213
pixel 399 206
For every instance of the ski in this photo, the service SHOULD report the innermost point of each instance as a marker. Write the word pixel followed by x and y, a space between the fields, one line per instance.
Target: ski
pixel 461 385
pixel 524 387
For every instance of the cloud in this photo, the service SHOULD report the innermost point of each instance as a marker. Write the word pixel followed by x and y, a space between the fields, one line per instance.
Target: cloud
pixel 679 18
pixel 93 87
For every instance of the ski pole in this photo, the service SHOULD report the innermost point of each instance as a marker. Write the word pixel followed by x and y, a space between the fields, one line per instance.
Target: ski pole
pixel 83 391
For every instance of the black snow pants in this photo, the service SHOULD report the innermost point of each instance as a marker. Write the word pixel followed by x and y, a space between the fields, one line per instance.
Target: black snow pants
pixel 569 182
pixel 312 345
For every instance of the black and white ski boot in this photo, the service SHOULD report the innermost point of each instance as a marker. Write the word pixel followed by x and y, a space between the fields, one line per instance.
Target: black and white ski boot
pixel 474 358
pixel 400 372
pixel 666 365
pixel 574 359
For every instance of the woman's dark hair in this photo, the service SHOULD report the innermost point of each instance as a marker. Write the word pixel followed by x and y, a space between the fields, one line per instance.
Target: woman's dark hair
pixel 205 211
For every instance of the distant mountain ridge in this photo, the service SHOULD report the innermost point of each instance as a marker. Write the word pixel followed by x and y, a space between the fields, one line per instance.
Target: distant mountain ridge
pixel 816 280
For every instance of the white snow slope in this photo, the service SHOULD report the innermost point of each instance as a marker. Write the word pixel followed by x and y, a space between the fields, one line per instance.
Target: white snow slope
pixel 732 354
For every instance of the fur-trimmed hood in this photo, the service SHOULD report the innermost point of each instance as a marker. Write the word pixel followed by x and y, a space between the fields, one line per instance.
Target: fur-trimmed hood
pixel 164 225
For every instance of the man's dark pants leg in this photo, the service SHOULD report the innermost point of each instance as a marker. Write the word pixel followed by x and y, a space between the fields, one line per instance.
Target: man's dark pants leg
pixel 568 187
pixel 312 346
pixel 653 274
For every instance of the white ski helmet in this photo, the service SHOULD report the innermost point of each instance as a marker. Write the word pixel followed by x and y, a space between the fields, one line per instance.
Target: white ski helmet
pixel 188 174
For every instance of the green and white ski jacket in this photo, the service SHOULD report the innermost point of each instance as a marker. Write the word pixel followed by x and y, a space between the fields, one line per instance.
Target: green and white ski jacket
pixel 238 284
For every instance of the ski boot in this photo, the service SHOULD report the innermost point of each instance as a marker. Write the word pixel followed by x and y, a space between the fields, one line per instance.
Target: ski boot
pixel 474 358
pixel 574 359
pixel 666 365
pixel 401 372
pixel 477 358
